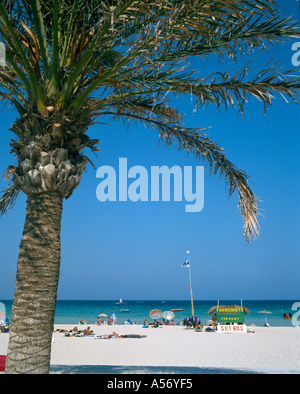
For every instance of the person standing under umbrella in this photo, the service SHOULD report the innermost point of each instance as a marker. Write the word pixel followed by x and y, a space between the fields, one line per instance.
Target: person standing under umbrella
pixel 266 321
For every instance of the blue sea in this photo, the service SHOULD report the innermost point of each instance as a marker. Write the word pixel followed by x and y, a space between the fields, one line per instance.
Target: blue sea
pixel 70 312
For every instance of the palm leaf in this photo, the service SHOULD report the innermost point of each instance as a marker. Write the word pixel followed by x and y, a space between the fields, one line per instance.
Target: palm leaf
pixel 8 199
pixel 70 63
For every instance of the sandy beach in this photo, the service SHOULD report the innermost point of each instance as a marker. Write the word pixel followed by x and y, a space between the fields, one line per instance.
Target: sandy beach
pixel 174 350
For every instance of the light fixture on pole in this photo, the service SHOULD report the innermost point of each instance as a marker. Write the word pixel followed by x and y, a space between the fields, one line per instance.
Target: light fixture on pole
pixel 188 265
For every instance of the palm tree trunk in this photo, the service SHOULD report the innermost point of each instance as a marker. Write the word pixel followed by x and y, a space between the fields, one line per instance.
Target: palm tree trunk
pixel 29 347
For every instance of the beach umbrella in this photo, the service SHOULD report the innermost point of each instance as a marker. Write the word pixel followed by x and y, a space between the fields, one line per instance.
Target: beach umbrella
pixel 266 313
pixel 103 315
pixel 113 318
pixel 169 315
pixel 2 310
pixel 156 314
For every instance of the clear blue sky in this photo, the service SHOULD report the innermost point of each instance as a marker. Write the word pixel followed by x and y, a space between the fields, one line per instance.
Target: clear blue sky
pixel 134 250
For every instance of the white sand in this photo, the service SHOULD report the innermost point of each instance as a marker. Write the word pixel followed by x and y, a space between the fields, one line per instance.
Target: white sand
pixel 174 349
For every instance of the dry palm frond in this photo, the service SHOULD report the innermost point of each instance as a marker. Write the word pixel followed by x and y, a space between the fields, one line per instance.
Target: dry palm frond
pixel 198 144
pixel 195 142
pixel 8 199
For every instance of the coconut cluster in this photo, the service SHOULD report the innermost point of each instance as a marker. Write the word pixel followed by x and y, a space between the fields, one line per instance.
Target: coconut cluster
pixel 48 172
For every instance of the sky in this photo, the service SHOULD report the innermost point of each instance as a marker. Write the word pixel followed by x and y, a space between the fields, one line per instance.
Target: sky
pixel 134 250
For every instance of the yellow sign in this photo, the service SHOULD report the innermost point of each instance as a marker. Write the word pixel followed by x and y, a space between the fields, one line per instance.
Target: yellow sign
pixel 229 310
pixel 230 315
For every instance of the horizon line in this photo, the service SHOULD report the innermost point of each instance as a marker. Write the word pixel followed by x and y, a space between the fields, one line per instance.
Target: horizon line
pixel 187 300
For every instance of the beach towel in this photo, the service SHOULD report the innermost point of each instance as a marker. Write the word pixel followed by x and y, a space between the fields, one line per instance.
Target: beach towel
pixel 2 363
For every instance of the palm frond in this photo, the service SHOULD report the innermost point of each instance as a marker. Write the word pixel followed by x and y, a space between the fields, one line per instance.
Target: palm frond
pixel 72 62
pixel 198 144
pixel 194 142
pixel 8 199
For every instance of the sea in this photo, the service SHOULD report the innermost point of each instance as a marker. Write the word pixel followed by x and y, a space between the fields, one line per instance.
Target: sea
pixel 136 311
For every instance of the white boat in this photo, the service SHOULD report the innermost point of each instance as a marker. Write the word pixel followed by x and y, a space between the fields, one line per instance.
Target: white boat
pixel 124 310
pixel 120 302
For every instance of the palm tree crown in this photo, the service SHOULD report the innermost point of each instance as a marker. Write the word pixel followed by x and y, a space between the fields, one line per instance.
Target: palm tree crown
pixel 72 62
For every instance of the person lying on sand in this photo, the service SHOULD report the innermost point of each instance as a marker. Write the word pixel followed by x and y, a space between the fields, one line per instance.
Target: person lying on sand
pixel 87 331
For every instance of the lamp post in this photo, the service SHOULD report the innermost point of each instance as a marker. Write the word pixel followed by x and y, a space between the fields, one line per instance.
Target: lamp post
pixel 190 276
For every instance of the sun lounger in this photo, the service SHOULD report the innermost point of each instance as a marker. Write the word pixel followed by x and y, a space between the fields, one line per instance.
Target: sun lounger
pixel 128 321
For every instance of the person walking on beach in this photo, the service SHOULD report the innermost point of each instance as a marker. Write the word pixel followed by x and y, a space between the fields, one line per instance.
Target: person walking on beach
pixel 214 319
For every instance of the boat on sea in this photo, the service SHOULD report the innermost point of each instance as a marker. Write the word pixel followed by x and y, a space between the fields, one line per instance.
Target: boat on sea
pixel 120 302
pixel 124 310
pixel 287 316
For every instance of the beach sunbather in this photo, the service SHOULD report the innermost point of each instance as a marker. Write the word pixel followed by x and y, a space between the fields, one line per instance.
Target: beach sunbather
pixel 146 323
pixel 87 331
pixel 156 323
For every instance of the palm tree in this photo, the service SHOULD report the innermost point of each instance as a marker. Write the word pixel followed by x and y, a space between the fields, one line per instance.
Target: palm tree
pixel 71 62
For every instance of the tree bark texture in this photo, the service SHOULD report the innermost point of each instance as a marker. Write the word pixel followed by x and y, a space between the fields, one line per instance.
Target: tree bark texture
pixel 33 312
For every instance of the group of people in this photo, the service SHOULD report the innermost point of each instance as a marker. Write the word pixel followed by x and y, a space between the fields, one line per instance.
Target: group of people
pixel 100 321
pixel 75 332
pixel 4 327
pixel 157 323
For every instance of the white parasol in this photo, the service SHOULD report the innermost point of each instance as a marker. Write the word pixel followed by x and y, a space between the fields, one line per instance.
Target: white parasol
pixel 169 315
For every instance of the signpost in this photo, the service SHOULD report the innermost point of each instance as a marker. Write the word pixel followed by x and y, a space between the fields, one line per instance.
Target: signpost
pixel 230 315
pixel 231 320
pixel 235 329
